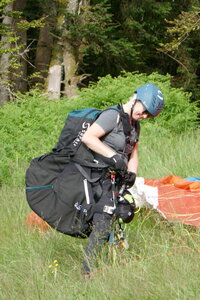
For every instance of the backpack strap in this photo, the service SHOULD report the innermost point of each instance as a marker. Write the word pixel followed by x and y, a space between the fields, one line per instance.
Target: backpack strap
pixel 127 124
pixel 86 175
pixel 125 121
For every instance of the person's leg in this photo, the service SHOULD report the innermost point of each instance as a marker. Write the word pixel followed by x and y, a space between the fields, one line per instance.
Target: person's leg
pixel 102 227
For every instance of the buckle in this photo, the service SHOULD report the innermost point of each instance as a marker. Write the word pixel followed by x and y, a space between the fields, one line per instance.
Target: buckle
pixel 109 209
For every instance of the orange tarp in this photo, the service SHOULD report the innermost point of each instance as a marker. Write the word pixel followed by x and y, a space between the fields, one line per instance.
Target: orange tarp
pixel 34 221
pixel 178 199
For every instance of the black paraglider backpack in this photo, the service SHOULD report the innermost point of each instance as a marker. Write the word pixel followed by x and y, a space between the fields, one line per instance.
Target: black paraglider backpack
pixel 59 190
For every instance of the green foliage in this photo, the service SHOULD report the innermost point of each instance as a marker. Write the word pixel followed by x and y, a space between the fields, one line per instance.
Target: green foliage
pixel 181 29
pixel 32 122
pixel 180 47
pixel 9 31
pixel 12 43
pixel 3 4
pixel 31 126
pixel 144 26
pixel 96 33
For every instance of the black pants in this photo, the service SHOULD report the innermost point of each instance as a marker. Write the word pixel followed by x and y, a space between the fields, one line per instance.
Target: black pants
pixel 102 227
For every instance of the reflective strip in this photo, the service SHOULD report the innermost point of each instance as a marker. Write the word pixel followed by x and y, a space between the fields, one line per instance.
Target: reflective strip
pixel 86 191
pixel 39 187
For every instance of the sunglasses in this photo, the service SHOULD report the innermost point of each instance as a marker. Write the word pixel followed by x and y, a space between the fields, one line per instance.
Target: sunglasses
pixel 145 112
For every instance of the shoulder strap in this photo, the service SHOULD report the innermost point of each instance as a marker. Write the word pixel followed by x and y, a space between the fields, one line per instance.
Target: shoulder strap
pixel 85 174
pixel 123 116
pixel 137 127
pixel 115 107
pixel 125 121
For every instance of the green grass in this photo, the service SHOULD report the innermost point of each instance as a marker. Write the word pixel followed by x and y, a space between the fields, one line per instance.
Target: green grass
pixel 162 262
pixel 162 155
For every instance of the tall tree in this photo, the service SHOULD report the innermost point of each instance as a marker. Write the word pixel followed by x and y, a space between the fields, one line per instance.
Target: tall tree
pixel 67 50
pixel 5 43
pixel 63 63
pixel 87 35
pixel 18 74
pixel 43 54
pixel 13 59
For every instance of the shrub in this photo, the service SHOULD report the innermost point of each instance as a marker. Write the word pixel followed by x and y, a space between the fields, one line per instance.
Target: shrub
pixel 178 115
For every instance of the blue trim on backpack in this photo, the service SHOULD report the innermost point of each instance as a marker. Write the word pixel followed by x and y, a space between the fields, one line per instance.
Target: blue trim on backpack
pixel 92 112
pixel 39 187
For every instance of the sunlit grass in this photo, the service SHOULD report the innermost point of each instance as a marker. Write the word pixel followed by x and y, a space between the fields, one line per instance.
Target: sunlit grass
pixel 175 154
pixel 163 261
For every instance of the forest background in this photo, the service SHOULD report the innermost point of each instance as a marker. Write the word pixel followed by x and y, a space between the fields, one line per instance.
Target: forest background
pixel 60 46
pixel 62 55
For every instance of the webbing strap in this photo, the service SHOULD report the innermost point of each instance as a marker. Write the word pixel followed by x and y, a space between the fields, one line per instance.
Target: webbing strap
pixel 85 174
pixel 39 187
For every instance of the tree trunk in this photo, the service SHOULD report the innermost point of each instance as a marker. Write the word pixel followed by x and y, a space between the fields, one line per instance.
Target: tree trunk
pixel 19 76
pixel 70 69
pixel 4 60
pixel 43 54
pixel 53 83
pixel 72 6
pixel 13 78
pixel 69 57
pixel 55 74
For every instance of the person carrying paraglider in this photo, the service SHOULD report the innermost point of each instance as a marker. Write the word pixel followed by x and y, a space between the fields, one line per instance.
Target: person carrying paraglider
pixel 110 146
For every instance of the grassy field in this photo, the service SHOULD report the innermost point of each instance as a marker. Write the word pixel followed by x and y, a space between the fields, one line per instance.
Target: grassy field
pixel 163 261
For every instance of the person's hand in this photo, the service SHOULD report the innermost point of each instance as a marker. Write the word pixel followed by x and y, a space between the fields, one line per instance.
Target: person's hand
pixel 129 179
pixel 116 162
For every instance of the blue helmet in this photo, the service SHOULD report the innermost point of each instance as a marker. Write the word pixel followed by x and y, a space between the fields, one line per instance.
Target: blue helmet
pixel 151 97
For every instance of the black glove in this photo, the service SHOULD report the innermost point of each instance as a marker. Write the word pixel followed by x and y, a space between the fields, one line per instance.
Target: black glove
pixel 116 162
pixel 129 179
